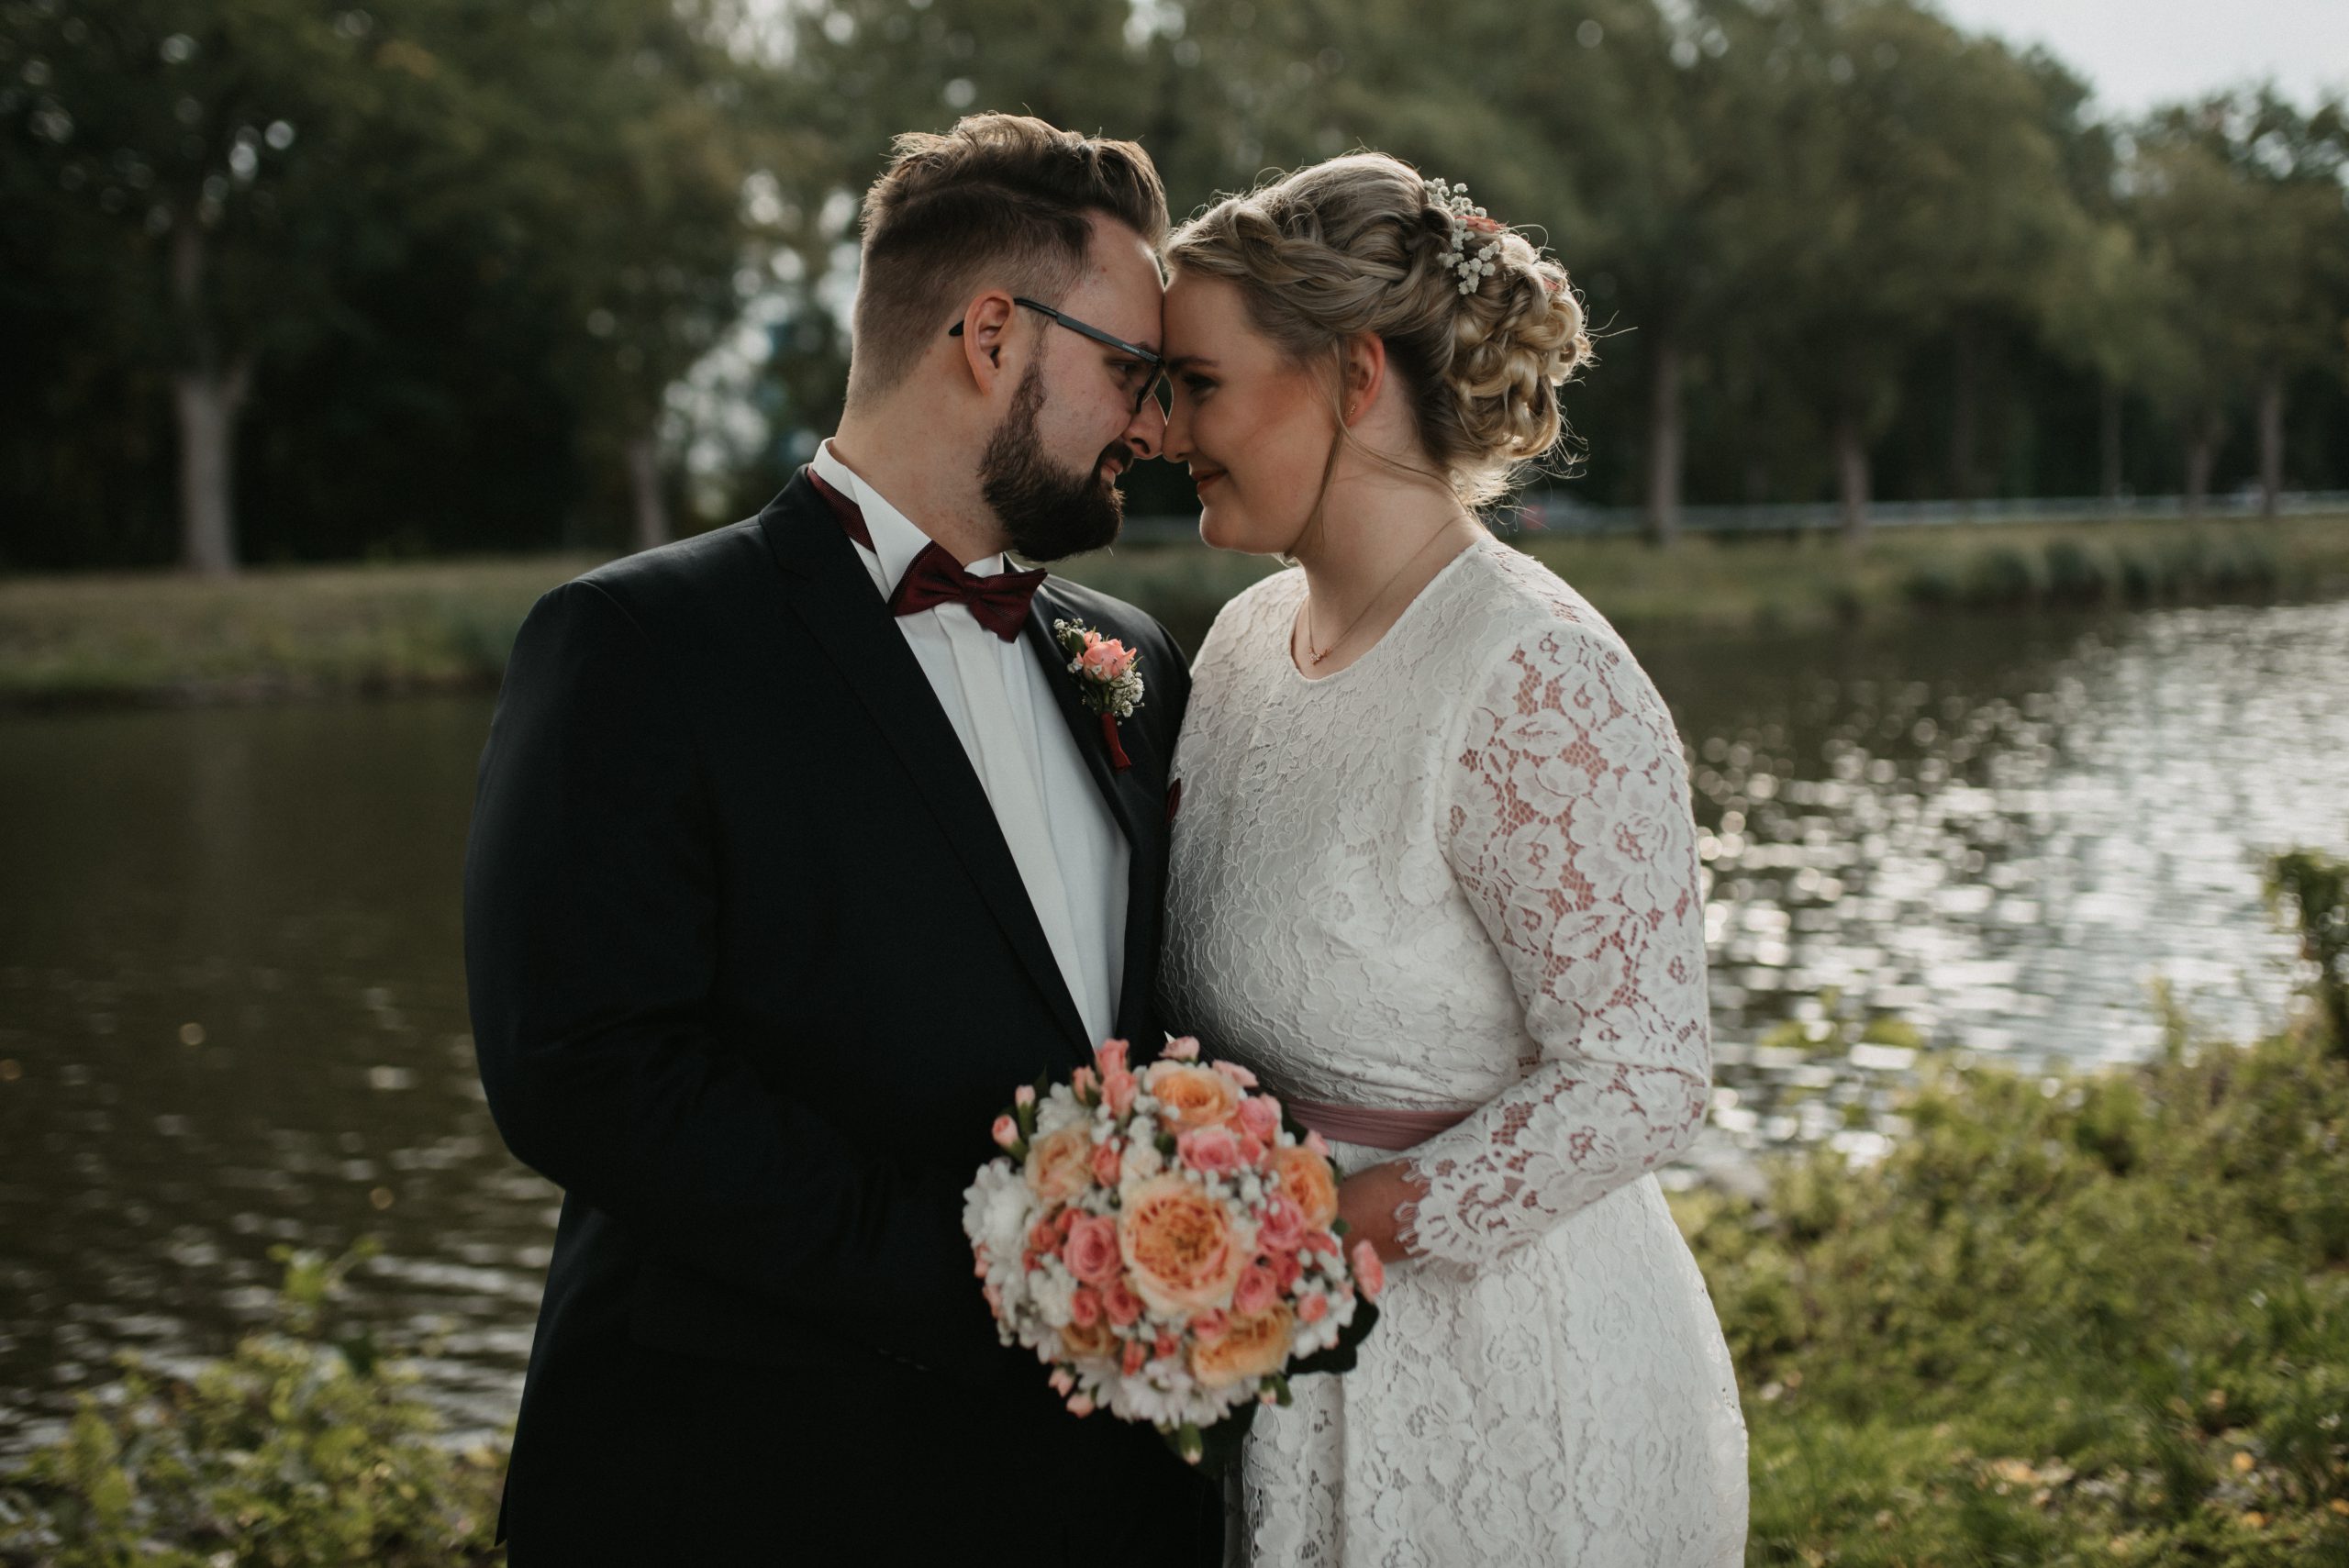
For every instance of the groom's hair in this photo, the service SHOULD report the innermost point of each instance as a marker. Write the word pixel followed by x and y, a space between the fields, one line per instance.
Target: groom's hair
pixel 1000 200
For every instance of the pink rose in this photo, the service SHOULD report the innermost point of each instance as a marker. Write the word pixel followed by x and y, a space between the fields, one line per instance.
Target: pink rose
pixel 1370 1270
pixel 1105 1164
pixel 1210 1150
pixel 1044 1236
pixel 1083 1083
pixel 1282 1230
pixel 1255 1292
pixel 1260 1116
pixel 1111 1057
pixel 1314 1308
pixel 1007 1132
pixel 1166 1346
pixel 1251 1149
pixel 1080 1405
pixel 1288 1267
pixel 1091 1251
pixel 1062 1380
pixel 1119 1300
pixel 1131 1362
pixel 1181 1047
pixel 1119 1089
pixel 1237 1074
pixel 1322 1242
pixel 1085 1307
pixel 1319 1144
pixel 1024 1095
pixel 1210 1325
pixel 1105 659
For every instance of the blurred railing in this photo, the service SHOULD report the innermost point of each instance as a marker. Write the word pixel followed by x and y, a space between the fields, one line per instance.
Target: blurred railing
pixel 1563 517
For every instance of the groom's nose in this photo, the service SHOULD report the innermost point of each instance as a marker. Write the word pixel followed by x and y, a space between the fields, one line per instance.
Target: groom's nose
pixel 1146 431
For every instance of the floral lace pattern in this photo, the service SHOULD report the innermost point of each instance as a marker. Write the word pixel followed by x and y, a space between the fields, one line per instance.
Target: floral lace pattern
pixel 1460 875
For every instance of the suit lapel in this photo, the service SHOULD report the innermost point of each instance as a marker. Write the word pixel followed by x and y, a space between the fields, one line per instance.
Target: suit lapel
pixel 1129 797
pixel 826 584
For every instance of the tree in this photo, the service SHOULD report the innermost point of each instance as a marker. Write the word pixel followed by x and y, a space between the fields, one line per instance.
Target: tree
pixel 208 142
pixel 2240 195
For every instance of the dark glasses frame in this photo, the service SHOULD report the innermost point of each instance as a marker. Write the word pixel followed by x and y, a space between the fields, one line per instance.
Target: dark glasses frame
pixel 1149 358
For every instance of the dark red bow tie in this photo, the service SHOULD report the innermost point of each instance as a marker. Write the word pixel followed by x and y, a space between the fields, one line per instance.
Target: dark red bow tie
pixel 999 603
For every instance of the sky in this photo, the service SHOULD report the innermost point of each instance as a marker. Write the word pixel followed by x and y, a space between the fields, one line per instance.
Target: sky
pixel 2137 54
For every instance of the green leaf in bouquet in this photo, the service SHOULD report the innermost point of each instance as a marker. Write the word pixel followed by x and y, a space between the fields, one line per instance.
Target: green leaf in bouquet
pixel 1216 1449
pixel 1341 1356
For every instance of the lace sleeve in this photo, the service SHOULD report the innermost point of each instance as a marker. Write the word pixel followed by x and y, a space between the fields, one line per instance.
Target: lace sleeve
pixel 1567 826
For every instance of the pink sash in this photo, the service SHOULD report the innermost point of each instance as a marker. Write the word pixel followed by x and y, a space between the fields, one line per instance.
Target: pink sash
pixel 1374 1127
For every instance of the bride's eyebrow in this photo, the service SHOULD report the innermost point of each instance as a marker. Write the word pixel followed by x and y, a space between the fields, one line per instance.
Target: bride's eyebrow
pixel 1189 361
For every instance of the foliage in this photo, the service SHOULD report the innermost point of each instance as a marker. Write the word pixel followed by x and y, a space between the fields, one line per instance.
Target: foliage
pixel 2067 1320
pixel 300 1450
pixel 2312 889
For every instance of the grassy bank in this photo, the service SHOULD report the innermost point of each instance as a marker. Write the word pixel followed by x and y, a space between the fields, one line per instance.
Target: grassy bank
pixel 305 630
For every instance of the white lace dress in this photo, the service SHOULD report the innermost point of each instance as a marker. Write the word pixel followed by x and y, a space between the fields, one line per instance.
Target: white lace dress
pixel 1460 875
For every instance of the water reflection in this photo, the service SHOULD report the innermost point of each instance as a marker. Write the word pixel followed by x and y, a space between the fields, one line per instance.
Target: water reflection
pixel 231 992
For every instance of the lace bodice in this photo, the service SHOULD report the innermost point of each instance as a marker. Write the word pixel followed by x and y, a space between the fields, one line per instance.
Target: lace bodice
pixel 1459 873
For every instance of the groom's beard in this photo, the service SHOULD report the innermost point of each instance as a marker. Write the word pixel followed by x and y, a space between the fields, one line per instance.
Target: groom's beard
pixel 1046 512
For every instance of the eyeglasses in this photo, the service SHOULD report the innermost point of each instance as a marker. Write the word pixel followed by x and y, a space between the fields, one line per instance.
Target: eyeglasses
pixel 1149 358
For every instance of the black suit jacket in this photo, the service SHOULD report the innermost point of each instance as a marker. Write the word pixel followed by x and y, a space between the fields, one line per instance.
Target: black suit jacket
pixel 751 971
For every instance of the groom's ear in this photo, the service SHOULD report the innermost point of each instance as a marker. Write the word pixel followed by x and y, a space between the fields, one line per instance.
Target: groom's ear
pixel 987 326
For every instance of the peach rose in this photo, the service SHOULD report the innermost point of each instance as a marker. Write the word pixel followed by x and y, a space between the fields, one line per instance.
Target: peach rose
pixel 1091 1250
pixel 1191 1096
pixel 1181 1252
pixel 1370 1269
pixel 1260 1118
pixel 1307 1181
pixel 1088 1341
pixel 1105 1164
pixel 1210 1150
pixel 1255 1292
pixel 1252 1346
pixel 1059 1164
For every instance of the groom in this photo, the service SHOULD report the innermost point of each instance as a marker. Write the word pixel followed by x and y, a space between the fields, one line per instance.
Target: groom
pixel 796 848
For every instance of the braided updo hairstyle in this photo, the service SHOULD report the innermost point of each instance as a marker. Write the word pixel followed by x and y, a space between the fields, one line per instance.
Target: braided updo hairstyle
pixel 1359 244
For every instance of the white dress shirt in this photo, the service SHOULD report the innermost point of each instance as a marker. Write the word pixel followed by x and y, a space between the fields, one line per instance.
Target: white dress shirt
pixel 997 695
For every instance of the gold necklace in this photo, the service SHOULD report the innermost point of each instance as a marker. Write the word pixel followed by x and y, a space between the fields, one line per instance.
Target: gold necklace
pixel 1319 654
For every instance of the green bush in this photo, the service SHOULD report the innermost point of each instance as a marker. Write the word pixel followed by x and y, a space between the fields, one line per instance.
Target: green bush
pixel 297 1450
pixel 2074 577
pixel 2067 1320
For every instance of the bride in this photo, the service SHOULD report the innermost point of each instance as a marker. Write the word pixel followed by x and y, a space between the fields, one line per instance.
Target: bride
pixel 1434 879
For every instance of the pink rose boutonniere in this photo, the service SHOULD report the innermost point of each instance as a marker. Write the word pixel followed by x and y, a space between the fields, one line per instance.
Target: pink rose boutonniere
pixel 1109 677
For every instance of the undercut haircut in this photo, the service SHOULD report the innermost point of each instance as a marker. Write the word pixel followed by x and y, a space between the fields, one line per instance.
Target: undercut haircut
pixel 1001 201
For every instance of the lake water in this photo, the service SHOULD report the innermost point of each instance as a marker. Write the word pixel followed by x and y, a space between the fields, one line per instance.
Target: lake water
pixel 232 1007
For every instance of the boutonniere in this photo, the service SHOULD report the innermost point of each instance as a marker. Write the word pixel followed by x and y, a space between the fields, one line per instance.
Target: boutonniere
pixel 1108 677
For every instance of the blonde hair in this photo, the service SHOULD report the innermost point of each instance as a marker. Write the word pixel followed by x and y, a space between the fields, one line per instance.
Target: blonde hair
pixel 1358 244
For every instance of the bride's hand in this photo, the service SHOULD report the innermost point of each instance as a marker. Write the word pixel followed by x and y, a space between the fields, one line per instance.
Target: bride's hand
pixel 1367 1201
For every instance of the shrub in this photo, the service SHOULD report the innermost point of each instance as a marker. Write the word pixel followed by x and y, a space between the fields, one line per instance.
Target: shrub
pixel 296 1451
pixel 2066 1319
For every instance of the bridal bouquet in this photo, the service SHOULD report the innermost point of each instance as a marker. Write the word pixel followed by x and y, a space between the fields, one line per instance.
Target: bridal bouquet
pixel 1169 1245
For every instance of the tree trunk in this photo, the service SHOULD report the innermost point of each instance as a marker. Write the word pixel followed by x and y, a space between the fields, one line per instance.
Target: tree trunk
pixel 644 490
pixel 2271 439
pixel 1664 432
pixel 2201 455
pixel 206 397
pixel 1964 420
pixel 2107 437
pixel 207 403
pixel 1852 478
